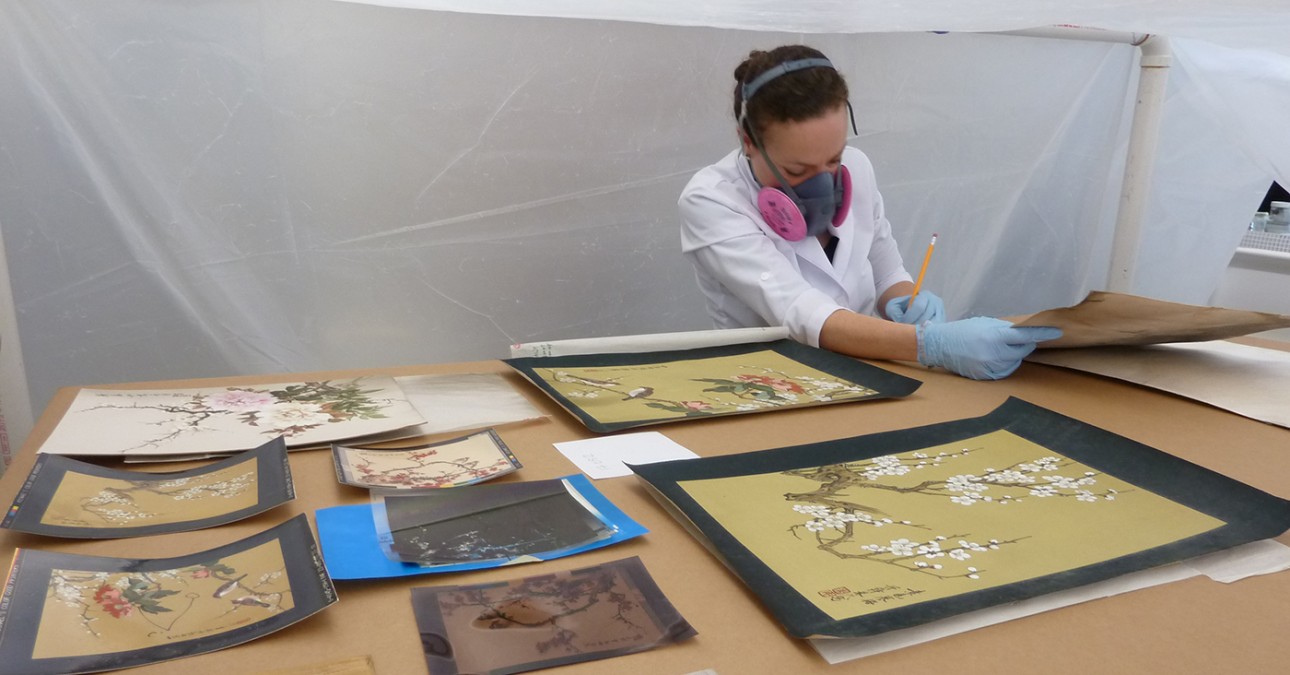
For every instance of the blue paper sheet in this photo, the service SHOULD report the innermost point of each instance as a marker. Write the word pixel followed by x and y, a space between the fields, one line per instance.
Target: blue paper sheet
pixel 351 550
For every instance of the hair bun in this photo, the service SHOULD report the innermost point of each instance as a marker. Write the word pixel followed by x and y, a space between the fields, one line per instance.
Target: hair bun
pixel 741 71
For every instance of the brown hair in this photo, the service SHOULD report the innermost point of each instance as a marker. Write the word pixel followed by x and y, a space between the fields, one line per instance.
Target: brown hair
pixel 793 97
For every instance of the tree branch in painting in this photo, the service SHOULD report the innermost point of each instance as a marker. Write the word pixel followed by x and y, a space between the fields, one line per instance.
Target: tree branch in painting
pixel 162 599
pixel 289 411
pixel 423 469
pixel 117 505
pixel 840 525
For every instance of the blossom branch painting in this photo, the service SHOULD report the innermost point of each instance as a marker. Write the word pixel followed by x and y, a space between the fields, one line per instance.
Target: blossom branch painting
pixel 224 419
pixel 65 613
pixel 460 461
pixel 64 497
pixel 840 525
pixel 864 535
pixel 163 602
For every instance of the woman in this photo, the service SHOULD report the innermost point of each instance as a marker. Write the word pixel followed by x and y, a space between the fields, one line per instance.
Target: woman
pixel 789 230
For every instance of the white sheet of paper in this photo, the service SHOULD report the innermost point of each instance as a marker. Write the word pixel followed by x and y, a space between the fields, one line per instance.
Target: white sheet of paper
pixel 468 401
pixel 1252 559
pixel 1259 557
pixel 609 456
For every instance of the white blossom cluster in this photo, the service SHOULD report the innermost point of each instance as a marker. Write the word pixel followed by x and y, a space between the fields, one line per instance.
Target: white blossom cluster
pixel 71 593
pixel 829 387
pixel 1040 465
pixel 267 577
pixel 822 518
pixel 895 465
pixel 225 488
pixel 122 515
pixel 296 414
pixel 931 550
pixel 101 506
pixel 887 465
pixel 106 496
pixel 970 488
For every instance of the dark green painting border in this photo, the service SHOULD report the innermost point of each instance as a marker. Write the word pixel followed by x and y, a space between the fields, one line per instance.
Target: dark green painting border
pixel 885 382
pixel 1250 514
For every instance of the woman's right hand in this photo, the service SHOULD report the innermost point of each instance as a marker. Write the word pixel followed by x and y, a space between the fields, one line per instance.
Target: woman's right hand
pixel 980 348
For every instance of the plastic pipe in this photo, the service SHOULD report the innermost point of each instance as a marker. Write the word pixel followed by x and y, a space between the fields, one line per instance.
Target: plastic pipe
pixel 1140 163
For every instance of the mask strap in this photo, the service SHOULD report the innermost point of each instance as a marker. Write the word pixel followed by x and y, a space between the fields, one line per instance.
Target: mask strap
pixel 782 69
pixel 783 182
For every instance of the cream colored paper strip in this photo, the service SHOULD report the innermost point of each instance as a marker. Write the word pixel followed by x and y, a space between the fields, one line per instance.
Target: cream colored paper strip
pixel 1249 381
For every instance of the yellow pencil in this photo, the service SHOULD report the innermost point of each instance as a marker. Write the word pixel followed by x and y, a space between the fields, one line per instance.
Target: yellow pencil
pixel 923 272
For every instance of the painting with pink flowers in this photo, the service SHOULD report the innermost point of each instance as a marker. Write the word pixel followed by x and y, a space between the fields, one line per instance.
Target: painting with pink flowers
pixel 460 461
pixel 67 613
pixel 609 392
pixel 211 420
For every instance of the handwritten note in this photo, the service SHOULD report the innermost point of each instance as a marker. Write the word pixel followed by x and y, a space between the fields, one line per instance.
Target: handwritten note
pixel 609 456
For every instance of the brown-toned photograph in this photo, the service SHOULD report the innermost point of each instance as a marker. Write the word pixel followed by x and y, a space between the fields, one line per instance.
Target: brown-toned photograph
pixel 543 621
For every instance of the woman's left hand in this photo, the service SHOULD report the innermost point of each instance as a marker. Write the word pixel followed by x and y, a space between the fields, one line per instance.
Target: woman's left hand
pixel 927 308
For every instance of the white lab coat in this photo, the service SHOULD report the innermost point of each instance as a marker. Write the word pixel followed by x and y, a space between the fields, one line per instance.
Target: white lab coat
pixel 753 277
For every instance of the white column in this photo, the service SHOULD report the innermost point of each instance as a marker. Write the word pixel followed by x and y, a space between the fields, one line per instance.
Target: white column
pixel 1140 164
pixel 15 401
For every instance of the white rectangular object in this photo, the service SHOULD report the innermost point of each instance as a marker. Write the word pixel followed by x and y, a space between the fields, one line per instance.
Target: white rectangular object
pixel 608 457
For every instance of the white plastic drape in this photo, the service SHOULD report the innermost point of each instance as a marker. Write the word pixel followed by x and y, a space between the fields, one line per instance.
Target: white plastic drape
pixel 198 189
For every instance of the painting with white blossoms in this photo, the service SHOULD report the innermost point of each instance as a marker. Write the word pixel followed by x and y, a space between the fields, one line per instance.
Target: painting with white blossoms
pixel 148 422
pixel 64 497
pixel 609 392
pixel 868 534
pixel 65 613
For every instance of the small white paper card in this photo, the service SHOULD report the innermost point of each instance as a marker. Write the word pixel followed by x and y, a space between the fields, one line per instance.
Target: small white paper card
pixel 608 457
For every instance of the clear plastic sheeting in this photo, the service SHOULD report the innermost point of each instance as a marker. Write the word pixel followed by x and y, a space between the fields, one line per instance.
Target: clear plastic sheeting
pixel 204 189
pixel 1242 23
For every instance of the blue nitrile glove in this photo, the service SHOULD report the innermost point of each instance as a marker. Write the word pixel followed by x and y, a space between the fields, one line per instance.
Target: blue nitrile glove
pixel 981 348
pixel 927 309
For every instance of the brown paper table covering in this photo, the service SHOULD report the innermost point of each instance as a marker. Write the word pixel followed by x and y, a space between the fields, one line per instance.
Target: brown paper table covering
pixel 1193 626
